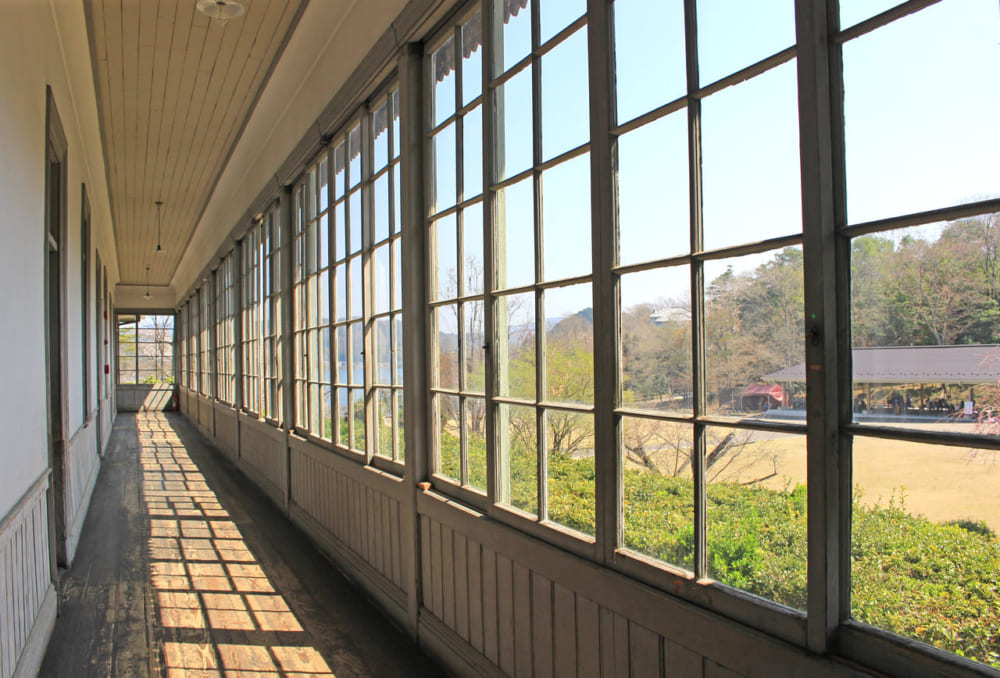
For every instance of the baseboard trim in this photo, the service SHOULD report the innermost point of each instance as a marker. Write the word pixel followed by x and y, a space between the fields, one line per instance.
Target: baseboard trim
pixel 33 653
pixel 452 650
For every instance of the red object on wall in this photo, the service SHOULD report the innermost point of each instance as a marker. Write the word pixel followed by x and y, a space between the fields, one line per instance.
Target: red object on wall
pixel 107 369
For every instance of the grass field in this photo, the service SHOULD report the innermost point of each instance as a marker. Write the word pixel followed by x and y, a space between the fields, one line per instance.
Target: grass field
pixel 940 482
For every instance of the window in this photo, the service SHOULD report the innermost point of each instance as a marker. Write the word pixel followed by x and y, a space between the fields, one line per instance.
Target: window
pixel 680 453
pixel 251 306
pixel 538 306
pixel 924 306
pixel 311 294
pixel 455 242
pixel 205 338
pixel 145 349
pixel 710 295
pixel 348 290
pixel 384 253
pixel 271 312
pixel 194 336
pixel 225 341
pixel 182 331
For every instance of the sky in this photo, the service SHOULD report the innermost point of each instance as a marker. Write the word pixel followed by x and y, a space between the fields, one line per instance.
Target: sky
pixel 921 101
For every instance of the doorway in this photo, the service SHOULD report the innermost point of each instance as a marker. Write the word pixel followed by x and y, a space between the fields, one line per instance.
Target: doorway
pixel 55 356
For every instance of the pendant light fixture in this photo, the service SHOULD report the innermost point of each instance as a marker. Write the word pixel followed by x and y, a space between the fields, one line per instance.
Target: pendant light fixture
pixel 158 248
pixel 220 10
pixel 147 283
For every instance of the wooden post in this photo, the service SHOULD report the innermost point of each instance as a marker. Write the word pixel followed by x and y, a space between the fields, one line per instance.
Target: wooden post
pixel 417 413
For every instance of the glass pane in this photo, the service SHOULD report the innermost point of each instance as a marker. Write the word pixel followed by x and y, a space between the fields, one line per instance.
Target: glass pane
pixel 324 355
pixel 357 374
pixel 472 153
pixel 382 410
pixel 354 156
pixel 925 549
pixel 324 241
pixel 734 35
pixel 358 413
pixel 383 353
pixel 354 204
pixel 516 29
pixel 659 489
pixel 323 192
pixel 856 11
pixel 920 119
pixel 754 329
pixel 397 278
pixel 474 350
pixel 653 215
pixel 326 417
pixel 446 324
pixel 354 266
pixel 515 320
pixel 309 181
pixel 323 301
pixel 569 345
pixel 340 229
pixel 570 443
pixel 400 438
pixel 472 242
pixel 381 207
pixel 750 157
pixel 924 319
pixel 555 15
pixel 447 255
pixel 397 219
pixel 475 441
pixel 444 168
pixel 648 32
pixel 343 416
pixel 398 339
pixel 341 353
pixel 380 134
pixel 381 274
pixel 339 168
pixel 448 437
pixel 310 245
pixel 565 96
pixel 516 237
pixel 340 294
pixel 443 72
pixel 757 512
pixel 656 340
pixel 397 139
pixel 566 223
pixel 518 432
pixel 472 53
pixel 315 359
pixel 514 128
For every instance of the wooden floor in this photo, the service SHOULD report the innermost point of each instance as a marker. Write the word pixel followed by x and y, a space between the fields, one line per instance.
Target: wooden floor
pixel 186 569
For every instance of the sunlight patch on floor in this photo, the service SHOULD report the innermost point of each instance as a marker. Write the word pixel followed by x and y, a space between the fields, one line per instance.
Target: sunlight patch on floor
pixel 206 580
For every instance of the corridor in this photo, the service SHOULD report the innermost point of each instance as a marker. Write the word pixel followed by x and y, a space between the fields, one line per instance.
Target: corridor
pixel 185 569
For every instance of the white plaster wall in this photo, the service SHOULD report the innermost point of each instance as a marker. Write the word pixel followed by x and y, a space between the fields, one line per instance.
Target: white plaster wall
pixel 43 43
pixel 330 41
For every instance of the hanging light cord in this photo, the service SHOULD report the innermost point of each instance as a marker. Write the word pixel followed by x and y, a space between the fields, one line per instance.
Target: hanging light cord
pixel 158 203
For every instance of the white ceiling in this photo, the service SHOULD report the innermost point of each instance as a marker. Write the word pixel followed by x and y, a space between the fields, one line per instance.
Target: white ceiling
pixel 174 91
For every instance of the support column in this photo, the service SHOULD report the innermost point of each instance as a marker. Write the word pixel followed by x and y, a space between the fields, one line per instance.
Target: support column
pixel 416 415
pixel 286 319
